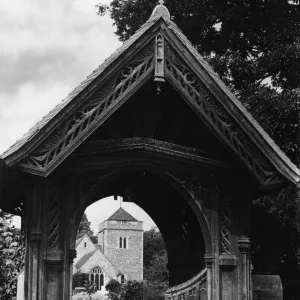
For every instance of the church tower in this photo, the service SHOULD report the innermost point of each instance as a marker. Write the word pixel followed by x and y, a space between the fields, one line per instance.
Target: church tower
pixel 121 241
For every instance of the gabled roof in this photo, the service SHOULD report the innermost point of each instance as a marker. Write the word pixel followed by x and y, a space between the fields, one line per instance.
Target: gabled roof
pixel 160 20
pixel 122 215
pixel 78 241
pixel 85 258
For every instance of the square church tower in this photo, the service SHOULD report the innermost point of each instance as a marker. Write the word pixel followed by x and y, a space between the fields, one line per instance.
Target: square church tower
pixel 121 241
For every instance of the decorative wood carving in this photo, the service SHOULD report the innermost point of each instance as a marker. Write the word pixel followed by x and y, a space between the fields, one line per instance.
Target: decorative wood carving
pixel 53 225
pixel 225 232
pixel 193 186
pixel 215 114
pixel 159 77
pixel 91 111
pixel 203 283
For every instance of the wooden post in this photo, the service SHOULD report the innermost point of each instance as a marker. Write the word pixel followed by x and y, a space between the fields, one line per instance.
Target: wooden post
pixel 208 258
pixel 72 256
pixel 244 246
pixel 35 240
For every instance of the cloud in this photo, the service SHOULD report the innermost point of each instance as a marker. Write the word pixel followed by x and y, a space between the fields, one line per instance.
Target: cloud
pixel 47 48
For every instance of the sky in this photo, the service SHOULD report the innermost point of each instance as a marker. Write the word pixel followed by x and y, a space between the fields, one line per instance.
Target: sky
pixel 47 47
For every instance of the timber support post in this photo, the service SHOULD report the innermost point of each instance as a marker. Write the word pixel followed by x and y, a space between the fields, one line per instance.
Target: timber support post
pixel 244 247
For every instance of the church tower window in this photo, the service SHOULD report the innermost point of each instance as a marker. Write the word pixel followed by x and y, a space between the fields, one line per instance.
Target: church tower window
pixel 120 245
pixel 124 242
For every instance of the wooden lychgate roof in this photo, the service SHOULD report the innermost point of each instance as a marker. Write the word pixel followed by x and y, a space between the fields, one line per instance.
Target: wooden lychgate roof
pixel 159 51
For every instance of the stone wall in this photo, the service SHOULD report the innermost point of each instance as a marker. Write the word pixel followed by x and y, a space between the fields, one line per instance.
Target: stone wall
pixel 128 260
pixel 99 260
pixel 85 246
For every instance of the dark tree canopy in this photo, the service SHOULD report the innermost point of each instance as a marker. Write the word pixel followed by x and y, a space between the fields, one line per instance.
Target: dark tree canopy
pixel 153 245
pixel 85 228
pixel 155 260
pixel 252 34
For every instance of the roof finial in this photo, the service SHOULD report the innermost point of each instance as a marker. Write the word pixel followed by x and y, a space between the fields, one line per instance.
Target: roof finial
pixel 160 11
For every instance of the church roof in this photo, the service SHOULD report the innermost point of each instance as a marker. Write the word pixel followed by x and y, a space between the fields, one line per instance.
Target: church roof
pixel 122 215
pixel 85 258
pixel 79 240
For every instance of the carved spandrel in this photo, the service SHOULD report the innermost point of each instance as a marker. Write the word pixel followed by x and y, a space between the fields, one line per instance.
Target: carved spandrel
pixel 192 184
pixel 219 118
pixel 90 111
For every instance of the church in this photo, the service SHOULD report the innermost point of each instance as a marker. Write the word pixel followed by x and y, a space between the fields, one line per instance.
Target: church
pixel 118 254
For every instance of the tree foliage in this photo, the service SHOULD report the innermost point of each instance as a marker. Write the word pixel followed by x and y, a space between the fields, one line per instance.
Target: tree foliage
pixel 79 279
pixel 85 228
pixel 155 260
pixel 157 274
pixel 131 290
pixel 153 245
pixel 257 32
pixel 12 252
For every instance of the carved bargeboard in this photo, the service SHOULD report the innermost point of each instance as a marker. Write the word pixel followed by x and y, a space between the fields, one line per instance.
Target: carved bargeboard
pixel 186 82
pixel 91 111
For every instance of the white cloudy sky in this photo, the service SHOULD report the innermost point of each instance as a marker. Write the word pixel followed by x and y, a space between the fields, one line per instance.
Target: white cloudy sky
pixel 47 47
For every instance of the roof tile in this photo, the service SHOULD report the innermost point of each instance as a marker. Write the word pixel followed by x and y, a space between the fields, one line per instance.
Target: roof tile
pixel 122 215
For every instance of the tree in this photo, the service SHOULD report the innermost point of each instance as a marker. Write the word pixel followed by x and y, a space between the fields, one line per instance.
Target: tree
pixel 157 274
pixel 131 290
pixel 153 245
pixel 12 252
pixel 155 260
pixel 85 228
pixel 256 33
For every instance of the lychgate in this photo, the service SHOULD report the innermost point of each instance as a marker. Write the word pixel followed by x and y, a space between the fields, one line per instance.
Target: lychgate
pixel 156 125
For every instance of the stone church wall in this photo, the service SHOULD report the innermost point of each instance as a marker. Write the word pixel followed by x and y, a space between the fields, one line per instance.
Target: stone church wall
pixel 130 259
pixel 98 260
pixel 85 246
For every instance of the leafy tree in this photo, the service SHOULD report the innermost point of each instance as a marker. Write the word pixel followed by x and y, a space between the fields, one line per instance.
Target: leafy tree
pixel 85 228
pixel 78 279
pixel 153 245
pixel 157 274
pixel 131 290
pixel 155 260
pixel 12 252
pixel 114 288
